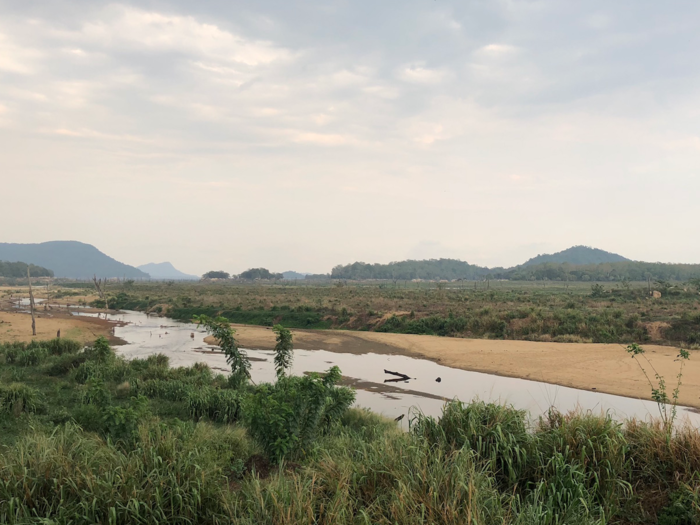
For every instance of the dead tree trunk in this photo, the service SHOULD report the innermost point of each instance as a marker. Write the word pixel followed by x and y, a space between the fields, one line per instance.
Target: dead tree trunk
pixel 31 301
pixel 100 285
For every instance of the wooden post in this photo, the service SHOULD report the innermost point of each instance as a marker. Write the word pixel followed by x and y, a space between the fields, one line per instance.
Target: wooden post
pixel 31 301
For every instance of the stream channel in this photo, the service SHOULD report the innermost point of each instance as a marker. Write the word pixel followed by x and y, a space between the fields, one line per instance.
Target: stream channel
pixel 146 335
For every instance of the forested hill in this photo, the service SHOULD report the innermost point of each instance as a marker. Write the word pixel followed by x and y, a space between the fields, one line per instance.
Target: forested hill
pixel 19 270
pixel 405 270
pixel 577 255
pixel 71 259
pixel 618 271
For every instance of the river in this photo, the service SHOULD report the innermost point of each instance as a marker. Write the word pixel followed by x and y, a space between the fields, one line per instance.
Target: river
pixel 184 344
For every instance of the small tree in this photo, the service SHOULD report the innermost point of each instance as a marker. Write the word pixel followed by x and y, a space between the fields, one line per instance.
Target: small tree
pixel 214 274
pixel 284 350
pixel 658 389
pixel 221 329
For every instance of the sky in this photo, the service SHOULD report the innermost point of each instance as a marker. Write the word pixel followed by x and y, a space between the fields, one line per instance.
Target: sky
pixel 302 135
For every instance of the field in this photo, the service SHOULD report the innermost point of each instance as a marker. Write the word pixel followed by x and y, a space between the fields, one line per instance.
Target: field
pixel 535 311
pixel 88 438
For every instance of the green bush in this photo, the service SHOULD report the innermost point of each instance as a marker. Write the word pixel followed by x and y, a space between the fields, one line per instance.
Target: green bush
pixel 496 433
pixel 17 398
pixel 222 406
pixel 285 418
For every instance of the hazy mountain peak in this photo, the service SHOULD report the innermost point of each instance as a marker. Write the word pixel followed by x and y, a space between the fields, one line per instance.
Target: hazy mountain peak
pixel 72 259
pixel 165 270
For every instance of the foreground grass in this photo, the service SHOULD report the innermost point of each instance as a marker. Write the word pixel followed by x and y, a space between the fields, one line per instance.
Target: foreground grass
pixel 89 438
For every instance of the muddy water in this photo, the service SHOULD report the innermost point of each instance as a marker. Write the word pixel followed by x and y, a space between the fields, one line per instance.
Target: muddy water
pixel 184 344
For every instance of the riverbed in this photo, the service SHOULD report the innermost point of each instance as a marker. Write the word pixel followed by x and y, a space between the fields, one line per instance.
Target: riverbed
pixel 184 344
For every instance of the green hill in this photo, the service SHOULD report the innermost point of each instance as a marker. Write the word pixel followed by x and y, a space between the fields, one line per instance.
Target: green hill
pixel 578 255
pixel 71 259
pixel 406 270
pixel 19 270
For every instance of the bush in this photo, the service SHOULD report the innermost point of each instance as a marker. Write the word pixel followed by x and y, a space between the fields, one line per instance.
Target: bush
pixel 66 363
pixel 496 433
pixel 222 406
pixel 60 346
pixel 595 445
pixel 285 418
pixel 18 398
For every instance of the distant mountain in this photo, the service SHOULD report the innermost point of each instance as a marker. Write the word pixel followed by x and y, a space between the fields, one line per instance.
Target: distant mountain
pixel 294 275
pixel 71 259
pixel 166 271
pixel 579 255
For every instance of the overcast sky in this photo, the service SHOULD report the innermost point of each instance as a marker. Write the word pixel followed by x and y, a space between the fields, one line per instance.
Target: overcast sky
pixel 301 135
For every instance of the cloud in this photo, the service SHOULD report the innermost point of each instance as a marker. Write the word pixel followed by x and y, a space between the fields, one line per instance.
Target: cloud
pixel 501 122
pixel 141 30
pixel 419 74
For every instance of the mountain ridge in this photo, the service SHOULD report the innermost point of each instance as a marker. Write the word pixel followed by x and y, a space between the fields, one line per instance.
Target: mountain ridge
pixel 166 270
pixel 69 259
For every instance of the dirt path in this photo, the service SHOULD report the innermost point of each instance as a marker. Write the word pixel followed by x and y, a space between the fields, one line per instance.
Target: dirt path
pixel 603 367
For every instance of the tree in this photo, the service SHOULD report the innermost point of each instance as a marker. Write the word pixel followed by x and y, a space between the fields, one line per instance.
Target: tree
pixel 259 273
pixel 216 274
pixel 221 329
pixel 284 350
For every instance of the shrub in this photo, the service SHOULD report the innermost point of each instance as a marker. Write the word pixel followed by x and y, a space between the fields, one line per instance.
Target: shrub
pixel 595 445
pixel 222 406
pixel 31 356
pixel 60 346
pixel 285 418
pixel 498 434
pixel 121 423
pixel 17 398
pixel 66 363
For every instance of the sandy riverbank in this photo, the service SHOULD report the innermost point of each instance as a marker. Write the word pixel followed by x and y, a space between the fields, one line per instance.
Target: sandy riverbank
pixel 15 326
pixel 603 367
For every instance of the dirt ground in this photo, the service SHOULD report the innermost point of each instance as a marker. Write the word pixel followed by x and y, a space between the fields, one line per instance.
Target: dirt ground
pixel 603 367
pixel 16 326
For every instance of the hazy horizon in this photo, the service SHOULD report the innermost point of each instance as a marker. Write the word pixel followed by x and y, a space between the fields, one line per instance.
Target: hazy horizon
pixel 299 136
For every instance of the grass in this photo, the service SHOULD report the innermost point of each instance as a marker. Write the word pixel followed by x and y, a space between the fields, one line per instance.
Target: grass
pixel 139 442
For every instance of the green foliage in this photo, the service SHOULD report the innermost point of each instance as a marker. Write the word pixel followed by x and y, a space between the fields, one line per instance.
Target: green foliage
pixel 668 406
pixel 214 274
pixel 238 360
pixel 408 270
pixel 284 350
pixel 259 273
pixel 221 406
pixel 597 291
pixel 19 270
pixel 285 418
pixel 122 422
pixel 496 433
pixel 17 398
pixel 683 509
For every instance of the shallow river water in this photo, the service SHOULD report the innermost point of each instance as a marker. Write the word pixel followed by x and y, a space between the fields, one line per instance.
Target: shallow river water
pixel 146 335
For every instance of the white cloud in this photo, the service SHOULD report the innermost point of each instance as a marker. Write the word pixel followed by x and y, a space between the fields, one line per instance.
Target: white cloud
pixel 136 29
pixel 418 74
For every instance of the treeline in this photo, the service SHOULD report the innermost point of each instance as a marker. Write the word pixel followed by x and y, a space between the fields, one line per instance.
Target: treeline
pixel 450 269
pixel 618 271
pixel 406 270
pixel 251 274
pixel 19 269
